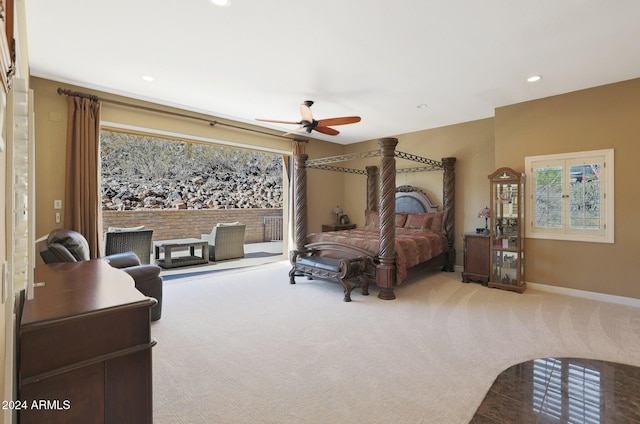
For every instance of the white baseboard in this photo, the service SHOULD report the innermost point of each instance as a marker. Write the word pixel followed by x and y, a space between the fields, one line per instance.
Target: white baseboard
pixel 603 297
pixel 621 300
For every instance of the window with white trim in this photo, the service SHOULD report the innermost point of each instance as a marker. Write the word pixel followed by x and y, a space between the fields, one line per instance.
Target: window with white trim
pixel 571 196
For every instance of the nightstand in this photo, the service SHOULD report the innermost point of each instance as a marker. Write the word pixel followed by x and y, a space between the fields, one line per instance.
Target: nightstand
pixel 337 227
pixel 476 258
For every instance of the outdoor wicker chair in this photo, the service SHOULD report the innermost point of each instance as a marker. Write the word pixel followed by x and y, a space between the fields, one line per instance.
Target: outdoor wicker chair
pixel 226 241
pixel 137 241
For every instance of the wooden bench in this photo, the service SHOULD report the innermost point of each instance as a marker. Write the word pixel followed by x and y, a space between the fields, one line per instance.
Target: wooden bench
pixel 341 270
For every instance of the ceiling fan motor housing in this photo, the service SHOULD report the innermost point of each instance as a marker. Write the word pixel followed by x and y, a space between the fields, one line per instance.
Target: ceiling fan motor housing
pixel 309 125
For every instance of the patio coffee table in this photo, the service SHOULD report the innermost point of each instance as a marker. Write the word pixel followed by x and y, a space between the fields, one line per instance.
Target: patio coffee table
pixel 169 245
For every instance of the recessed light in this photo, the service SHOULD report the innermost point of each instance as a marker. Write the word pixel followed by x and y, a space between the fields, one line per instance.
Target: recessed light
pixel 422 106
pixel 221 3
pixel 534 78
pixel 148 78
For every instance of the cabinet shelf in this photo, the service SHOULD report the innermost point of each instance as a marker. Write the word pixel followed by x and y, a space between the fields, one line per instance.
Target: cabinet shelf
pixel 506 234
pixel 502 249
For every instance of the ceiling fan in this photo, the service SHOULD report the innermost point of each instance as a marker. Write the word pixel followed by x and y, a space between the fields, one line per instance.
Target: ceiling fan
pixel 309 124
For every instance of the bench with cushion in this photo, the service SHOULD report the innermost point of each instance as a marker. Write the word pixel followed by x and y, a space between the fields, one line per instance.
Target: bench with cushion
pixel 349 272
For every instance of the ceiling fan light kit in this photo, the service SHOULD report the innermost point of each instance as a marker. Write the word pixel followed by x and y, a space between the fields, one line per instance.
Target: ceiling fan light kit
pixel 308 124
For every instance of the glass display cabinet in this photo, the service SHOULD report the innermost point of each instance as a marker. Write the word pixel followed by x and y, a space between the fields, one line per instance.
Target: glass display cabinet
pixel 507 230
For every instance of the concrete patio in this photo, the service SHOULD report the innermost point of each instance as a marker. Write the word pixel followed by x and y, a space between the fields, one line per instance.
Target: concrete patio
pixel 255 254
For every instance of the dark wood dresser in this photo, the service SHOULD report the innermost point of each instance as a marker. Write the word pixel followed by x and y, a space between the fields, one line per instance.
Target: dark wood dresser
pixel 85 347
pixel 476 258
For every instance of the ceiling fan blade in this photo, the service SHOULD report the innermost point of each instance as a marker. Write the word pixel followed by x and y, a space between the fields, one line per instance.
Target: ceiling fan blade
pixel 305 111
pixel 339 121
pixel 294 131
pixel 277 122
pixel 326 130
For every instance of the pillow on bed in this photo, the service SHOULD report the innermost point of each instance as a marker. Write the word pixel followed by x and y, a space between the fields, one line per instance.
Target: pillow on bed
pixel 372 218
pixel 401 218
pixel 416 220
pixel 439 219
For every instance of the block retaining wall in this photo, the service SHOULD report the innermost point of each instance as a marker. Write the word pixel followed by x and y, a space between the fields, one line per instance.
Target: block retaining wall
pixel 178 223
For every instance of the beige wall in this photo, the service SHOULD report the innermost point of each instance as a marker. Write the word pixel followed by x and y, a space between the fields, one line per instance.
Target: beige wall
pixel 325 189
pixel 51 123
pixel 599 118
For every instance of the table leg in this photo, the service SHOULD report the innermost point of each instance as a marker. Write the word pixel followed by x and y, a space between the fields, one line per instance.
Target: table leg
pixel 204 247
pixel 167 256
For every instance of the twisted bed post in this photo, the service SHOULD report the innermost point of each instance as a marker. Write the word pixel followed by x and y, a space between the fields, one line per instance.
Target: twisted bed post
pixel 386 269
pixel 449 203
pixel 300 194
pixel 372 201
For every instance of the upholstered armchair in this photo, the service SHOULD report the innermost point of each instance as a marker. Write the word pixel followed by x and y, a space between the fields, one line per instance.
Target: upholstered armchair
pixel 64 245
pixel 226 241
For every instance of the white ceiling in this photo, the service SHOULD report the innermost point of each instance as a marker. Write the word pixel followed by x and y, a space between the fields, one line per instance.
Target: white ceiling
pixel 379 60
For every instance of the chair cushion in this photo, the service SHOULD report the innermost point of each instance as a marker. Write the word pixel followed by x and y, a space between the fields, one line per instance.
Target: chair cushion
pixel 121 229
pixel 320 262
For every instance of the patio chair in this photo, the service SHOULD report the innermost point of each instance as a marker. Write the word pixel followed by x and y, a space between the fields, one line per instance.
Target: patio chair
pixel 122 240
pixel 226 241
pixel 64 245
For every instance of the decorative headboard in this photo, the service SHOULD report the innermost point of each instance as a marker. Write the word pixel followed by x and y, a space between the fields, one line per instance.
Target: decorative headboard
pixel 413 200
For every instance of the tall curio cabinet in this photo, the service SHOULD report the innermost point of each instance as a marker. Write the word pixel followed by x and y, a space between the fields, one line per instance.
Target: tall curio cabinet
pixel 507 230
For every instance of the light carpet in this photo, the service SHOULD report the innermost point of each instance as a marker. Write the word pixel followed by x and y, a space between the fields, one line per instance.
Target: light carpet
pixel 247 347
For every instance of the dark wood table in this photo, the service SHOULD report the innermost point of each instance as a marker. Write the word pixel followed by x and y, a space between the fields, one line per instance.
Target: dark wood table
pixel 85 347
pixel 168 246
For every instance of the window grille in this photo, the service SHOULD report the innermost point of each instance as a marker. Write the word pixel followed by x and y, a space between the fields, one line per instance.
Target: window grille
pixel 572 196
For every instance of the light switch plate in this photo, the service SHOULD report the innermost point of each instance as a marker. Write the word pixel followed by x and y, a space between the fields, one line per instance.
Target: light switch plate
pixel 57 204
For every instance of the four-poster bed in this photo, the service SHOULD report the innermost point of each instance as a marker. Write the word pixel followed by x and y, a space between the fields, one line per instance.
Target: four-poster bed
pixel 389 259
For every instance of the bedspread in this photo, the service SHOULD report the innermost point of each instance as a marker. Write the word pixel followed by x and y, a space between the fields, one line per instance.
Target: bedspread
pixel 413 246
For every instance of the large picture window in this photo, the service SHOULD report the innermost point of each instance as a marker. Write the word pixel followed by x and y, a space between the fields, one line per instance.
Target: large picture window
pixel 571 196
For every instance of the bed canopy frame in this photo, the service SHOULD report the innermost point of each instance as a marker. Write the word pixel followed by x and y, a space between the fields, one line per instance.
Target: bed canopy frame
pixel 385 270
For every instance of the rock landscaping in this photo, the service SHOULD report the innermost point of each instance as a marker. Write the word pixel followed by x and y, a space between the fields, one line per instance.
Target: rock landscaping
pixel 146 173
